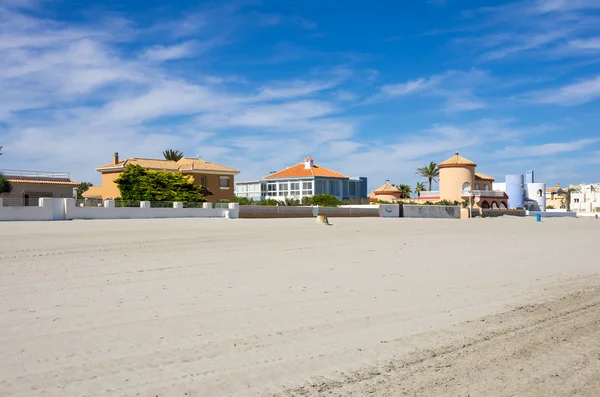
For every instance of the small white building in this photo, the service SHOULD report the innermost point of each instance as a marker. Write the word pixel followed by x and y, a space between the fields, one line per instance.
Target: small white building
pixel 586 198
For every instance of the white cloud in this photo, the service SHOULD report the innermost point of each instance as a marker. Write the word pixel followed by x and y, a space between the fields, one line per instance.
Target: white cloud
pixel 412 86
pixel 586 44
pixel 547 149
pixel 166 53
pixel 571 94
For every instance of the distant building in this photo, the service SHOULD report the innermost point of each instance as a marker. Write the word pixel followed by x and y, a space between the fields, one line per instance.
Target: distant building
pixel 555 197
pixel 29 186
pixel 386 192
pixel 303 180
pixel 458 181
pixel 524 192
pixel 586 198
pixel 217 178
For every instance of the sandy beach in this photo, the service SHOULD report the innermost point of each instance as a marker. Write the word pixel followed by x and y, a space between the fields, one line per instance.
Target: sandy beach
pixel 365 307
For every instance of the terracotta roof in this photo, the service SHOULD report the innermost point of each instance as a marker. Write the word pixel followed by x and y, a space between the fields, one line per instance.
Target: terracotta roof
pixel 93 192
pixel 185 164
pixel 42 181
pixel 457 160
pixel 479 175
pixel 553 189
pixel 387 188
pixel 300 171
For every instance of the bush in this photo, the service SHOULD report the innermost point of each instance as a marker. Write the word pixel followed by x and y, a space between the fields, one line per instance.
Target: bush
pixel 550 207
pixel 244 201
pixel 325 200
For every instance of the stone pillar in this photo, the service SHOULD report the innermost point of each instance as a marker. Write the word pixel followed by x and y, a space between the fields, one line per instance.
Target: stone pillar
pixel 315 210
pixel 1 204
pixel 109 203
pixel 207 206
pixel 177 204
pixel 45 202
pixel 144 204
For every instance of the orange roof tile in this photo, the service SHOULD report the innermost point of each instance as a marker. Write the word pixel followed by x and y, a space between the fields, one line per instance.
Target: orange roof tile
pixel 554 189
pixel 185 164
pixel 300 171
pixel 456 160
pixel 42 181
pixel 387 188
pixel 479 175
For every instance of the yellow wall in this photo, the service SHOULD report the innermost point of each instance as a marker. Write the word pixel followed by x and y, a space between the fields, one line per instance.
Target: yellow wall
pixel 451 181
pixel 110 190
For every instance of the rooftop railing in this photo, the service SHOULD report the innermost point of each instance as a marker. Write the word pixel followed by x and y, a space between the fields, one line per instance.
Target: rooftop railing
pixel 35 174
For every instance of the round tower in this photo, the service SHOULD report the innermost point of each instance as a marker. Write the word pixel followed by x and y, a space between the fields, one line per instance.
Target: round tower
pixel 457 177
pixel 515 190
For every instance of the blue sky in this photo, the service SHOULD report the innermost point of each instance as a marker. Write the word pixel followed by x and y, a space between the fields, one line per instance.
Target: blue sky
pixel 370 88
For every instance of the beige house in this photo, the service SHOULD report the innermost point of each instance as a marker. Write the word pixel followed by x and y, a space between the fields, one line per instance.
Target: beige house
pixel 217 178
pixel 459 181
pixel 29 186
pixel 386 192
pixel 555 197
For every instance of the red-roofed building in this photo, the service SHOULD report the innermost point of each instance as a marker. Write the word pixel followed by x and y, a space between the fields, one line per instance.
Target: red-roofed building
pixel 29 186
pixel 303 180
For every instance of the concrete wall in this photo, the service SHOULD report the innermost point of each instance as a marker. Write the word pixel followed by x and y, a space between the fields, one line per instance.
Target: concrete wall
pixel 144 212
pixel 44 212
pixel 546 214
pixel 431 211
pixel 488 213
pixel 267 211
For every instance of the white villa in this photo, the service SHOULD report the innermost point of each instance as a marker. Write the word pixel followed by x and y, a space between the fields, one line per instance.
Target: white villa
pixel 586 198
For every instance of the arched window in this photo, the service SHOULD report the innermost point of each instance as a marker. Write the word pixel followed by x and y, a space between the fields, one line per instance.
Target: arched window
pixel 477 186
pixel 539 193
pixel 494 205
pixel 503 205
pixel 486 187
pixel 466 187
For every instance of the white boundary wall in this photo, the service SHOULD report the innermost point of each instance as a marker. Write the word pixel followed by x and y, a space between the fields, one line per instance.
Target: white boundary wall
pixel 43 212
pixel 65 209
pixel 547 214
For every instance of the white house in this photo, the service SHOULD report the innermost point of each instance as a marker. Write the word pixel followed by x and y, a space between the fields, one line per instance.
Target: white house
pixel 303 180
pixel 586 198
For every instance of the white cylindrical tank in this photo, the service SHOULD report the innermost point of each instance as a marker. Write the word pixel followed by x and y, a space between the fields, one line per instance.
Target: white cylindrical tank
pixel 537 192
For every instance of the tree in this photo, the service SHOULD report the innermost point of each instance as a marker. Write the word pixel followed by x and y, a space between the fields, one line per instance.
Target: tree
pixel 325 200
pixel 173 155
pixel 5 184
pixel 567 197
pixel 405 190
pixel 82 188
pixel 430 172
pixel 141 184
pixel 419 188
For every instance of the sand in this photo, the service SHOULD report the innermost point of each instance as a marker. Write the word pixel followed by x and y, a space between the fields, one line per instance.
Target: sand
pixel 366 307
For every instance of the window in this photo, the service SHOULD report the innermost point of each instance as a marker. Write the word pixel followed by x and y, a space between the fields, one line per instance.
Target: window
pixel 295 189
pixel 320 186
pixel 353 189
pixel 477 186
pixel 224 182
pixel 307 188
pixel 334 188
pixel 576 200
pixel 466 187
pixel 539 193
pixel 283 189
pixel 486 187
pixel 272 188
pixel 203 181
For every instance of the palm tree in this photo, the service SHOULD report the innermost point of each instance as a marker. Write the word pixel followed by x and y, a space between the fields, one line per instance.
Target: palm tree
pixel 173 155
pixel 5 185
pixel 405 190
pixel 429 171
pixel 419 188
pixel 567 197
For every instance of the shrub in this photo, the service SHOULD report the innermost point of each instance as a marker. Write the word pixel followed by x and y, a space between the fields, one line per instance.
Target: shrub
pixel 325 200
pixel 549 207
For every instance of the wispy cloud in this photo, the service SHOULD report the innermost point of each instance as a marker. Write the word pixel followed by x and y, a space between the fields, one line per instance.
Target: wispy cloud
pixel 547 149
pixel 570 95
pixel 177 51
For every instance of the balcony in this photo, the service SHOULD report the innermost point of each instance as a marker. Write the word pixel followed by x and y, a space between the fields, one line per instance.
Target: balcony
pixel 22 174
pixel 484 193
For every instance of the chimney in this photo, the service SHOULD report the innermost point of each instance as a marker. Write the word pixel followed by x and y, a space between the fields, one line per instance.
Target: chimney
pixel 387 181
pixel 116 158
pixel 456 154
pixel 308 163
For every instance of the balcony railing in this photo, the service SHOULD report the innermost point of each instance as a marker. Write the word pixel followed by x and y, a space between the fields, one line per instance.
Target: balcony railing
pixel 429 193
pixel 483 193
pixel 35 174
